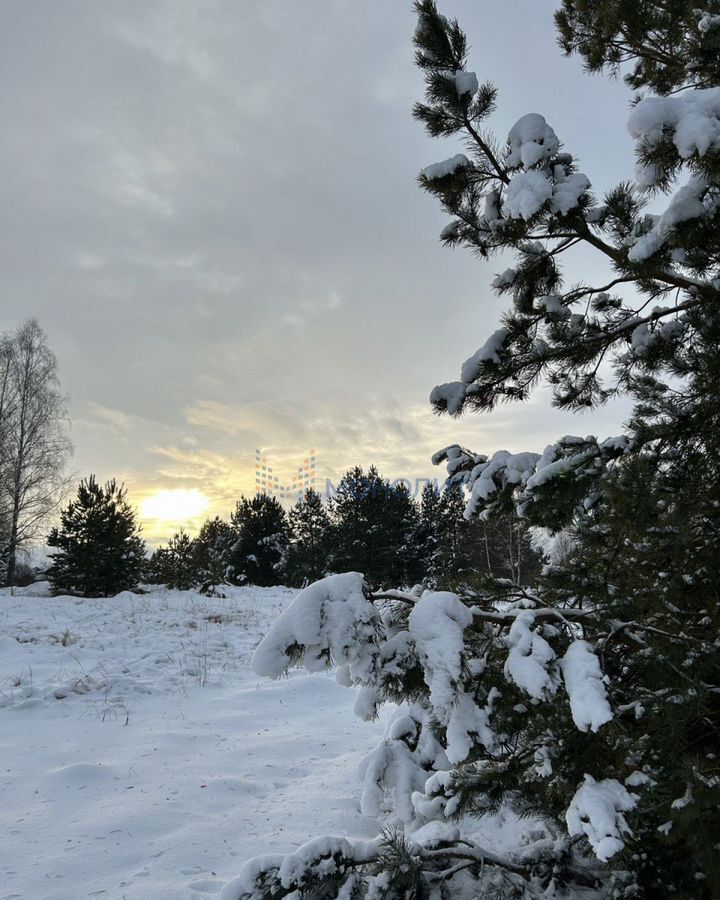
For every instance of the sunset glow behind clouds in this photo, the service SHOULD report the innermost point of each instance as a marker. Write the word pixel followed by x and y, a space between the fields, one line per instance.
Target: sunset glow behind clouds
pixel 173 509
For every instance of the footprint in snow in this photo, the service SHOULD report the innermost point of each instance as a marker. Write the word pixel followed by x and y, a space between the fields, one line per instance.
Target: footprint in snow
pixel 206 887
pixel 80 775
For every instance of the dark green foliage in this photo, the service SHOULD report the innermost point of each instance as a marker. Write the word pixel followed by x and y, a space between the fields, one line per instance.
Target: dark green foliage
pixel 211 547
pixel 462 554
pixel 157 568
pixel 400 859
pixel 655 44
pixel 566 334
pixel 374 527
pixel 98 548
pixel 647 562
pixel 261 535
pixel 175 564
pixel 455 541
pixel 427 538
pixel 310 539
pixel 640 566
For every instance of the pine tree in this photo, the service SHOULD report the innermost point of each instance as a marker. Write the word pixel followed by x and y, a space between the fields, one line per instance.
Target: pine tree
pixel 428 532
pixel 402 524
pixel 181 552
pixel 176 564
pixel 359 540
pixel 309 543
pixel 99 550
pixel 588 700
pixel 212 547
pixel 671 45
pixel 157 568
pixel 454 538
pixel 258 554
pixel 374 524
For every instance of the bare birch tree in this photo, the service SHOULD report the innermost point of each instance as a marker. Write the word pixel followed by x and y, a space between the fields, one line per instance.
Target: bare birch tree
pixel 7 410
pixel 33 439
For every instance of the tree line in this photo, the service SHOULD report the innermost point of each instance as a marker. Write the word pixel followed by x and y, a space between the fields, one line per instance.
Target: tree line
pixel 369 525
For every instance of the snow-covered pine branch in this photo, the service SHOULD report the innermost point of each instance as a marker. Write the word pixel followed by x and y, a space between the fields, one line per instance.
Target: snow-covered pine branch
pixel 462 662
pixel 546 487
pixel 529 197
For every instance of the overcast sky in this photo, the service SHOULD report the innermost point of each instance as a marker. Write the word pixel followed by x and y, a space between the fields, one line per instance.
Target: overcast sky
pixel 211 207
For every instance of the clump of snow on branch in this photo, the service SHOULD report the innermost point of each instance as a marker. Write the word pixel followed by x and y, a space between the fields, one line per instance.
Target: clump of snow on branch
pixel 452 394
pixel 644 337
pixel 329 622
pixel 526 195
pixel 505 279
pixel 491 211
pixel 685 204
pixel 434 834
pixel 398 767
pixel 436 624
pixel 549 466
pixel 490 476
pixel 531 140
pixel 489 352
pixel 529 662
pixel 436 800
pixel 553 305
pixel 707 21
pixel 692 119
pixel 278 874
pixel 466 82
pixel 468 719
pixel 249 878
pixel 524 473
pixel 596 811
pixel 584 684
pixel 532 143
pixel 446 167
pixel 528 192
pixel 567 190
pixel 295 865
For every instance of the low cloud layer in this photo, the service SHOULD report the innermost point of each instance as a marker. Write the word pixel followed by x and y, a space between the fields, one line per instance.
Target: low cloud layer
pixel 212 210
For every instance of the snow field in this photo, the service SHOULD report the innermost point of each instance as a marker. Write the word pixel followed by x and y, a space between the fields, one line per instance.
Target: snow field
pixel 140 756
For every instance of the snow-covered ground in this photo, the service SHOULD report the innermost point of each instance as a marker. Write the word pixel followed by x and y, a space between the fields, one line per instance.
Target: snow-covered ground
pixel 142 759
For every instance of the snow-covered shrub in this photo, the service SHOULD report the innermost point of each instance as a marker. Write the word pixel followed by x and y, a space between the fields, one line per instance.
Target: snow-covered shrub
pixel 462 672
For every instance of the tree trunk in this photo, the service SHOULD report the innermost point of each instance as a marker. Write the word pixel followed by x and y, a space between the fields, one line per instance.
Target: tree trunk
pixel 13 538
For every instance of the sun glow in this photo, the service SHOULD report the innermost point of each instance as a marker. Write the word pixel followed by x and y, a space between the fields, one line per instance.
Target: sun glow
pixel 177 507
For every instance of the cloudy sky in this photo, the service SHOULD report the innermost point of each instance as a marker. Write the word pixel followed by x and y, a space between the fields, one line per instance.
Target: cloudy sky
pixel 211 207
